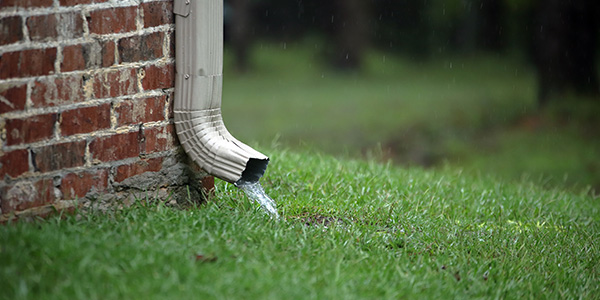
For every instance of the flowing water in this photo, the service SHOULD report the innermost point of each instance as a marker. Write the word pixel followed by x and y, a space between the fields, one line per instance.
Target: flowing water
pixel 256 193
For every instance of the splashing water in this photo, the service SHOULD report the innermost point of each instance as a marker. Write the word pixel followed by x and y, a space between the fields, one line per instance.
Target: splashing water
pixel 256 193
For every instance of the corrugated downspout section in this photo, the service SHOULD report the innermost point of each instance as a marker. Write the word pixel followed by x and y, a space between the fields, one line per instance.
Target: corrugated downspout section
pixel 198 91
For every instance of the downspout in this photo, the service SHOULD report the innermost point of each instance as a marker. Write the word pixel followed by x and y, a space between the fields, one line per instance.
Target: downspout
pixel 198 91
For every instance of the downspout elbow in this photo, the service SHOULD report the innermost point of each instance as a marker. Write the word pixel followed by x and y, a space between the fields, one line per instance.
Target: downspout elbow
pixel 198 93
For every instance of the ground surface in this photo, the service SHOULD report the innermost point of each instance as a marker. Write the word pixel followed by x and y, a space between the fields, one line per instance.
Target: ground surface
pixel 475 112
pixel 350 230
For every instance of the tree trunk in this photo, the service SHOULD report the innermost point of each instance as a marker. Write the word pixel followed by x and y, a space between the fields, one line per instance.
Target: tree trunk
pixel 566 48
pixel 482 26
pixel 491 32
pixel 241 39
pixel 351 33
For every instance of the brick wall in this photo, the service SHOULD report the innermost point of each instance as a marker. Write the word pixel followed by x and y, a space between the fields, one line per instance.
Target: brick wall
pixel 86 89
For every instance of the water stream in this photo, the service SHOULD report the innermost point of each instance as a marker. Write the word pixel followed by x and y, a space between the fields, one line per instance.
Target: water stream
pixel 256 193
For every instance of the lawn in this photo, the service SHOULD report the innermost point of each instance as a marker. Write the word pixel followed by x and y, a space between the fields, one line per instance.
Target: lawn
pixel 475 112
pixel 350 229
pixel 410 179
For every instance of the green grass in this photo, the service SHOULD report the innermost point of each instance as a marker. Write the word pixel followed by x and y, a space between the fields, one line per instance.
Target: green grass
pixel 466 111
pixel 351 230
pixel 293 93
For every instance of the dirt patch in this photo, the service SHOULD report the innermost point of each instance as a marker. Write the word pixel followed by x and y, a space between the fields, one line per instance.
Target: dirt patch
pixel 319 220
pixel 413 145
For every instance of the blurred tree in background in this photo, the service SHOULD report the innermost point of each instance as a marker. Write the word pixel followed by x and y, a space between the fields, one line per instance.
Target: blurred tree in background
pixel 559 37
pixel 508 86
pixel 241 26
pixel 566 47
pixel 350 32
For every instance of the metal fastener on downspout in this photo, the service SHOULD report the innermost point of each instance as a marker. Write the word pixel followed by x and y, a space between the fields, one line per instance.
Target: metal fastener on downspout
pixel 198 91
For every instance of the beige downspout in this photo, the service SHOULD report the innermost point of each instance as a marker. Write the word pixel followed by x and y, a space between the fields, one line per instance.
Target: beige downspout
pixel 198 90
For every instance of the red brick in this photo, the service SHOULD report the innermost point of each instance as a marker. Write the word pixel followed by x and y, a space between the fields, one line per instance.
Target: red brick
pixel 9 64
pixel 159 139
pixel 159 77
pixel 42 27
pixel 59 156
pixel 14 163
pixel 77 2
pixel 21 195
pixel 10 30
pixel 27 63
pixel 141 48
pixel 70 25
pixel 145 110
pixel 116 147
pixel 74 2
pixel 27 3
pixel 73 58
pixel 208 184
pixel 78 185
pixel 113 20
pixel 84 120
pixel 49 27
pixel 142 166
pixel 29 130
pixel 12 97
pixel 88 55
pixel 115 83
pixel 108 54
pixel 157 13
pixel 57 91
